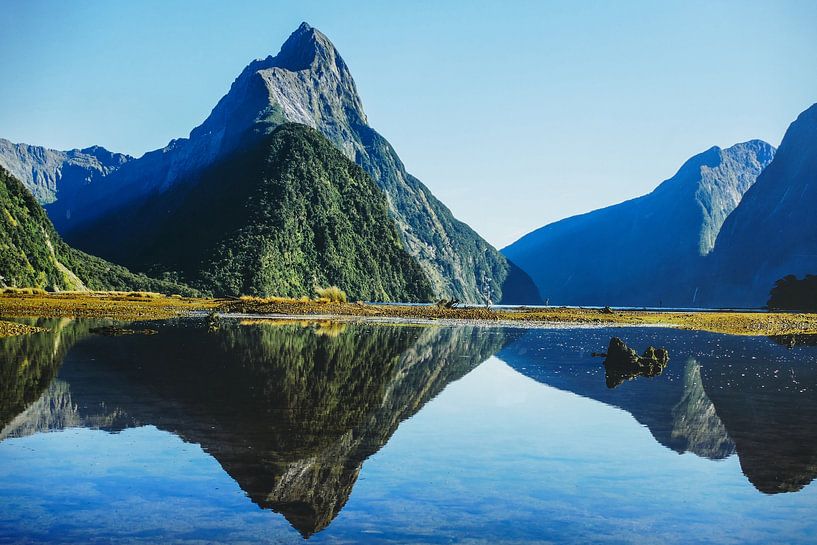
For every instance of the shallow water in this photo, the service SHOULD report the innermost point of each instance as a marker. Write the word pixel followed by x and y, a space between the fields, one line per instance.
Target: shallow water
pixel 347 433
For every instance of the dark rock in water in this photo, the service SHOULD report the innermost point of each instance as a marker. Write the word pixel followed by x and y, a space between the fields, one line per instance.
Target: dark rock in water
pixel 607 310
pixel 623 363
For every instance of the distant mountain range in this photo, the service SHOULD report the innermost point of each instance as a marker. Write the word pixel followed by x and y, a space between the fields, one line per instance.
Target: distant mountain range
pixel 306 83
pixel 719 233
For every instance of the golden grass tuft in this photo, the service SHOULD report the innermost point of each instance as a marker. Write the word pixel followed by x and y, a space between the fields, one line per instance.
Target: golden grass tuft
pixel 332 294
pixel 143 295
pixel 23 291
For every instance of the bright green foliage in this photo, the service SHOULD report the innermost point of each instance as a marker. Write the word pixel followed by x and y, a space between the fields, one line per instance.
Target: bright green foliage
pixel 281 218
pixel 32 254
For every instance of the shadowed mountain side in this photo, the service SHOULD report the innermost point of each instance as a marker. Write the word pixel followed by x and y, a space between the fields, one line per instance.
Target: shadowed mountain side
pixel 773 233
pixel 719 394
pixel 290 412
pixel 281 217
pixel 32 254
pixel 646 251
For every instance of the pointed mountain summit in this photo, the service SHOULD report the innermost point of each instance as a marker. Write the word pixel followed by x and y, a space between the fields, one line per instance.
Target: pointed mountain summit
pixel 643 252
pixel 307 47
pixel 308 83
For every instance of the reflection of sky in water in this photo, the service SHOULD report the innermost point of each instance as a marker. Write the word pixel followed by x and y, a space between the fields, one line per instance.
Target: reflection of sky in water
pixel 497 457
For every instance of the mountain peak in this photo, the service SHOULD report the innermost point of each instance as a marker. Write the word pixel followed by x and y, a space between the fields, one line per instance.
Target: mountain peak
pixel 303 47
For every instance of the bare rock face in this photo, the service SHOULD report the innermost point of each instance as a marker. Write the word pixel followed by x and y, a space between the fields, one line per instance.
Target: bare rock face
pixel 46 172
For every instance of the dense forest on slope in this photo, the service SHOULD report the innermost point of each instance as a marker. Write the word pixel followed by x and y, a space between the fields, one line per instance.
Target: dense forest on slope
pixel 282 217
pixel 32 254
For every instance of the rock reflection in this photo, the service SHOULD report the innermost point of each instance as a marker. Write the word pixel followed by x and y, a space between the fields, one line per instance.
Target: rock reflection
pixel 791 341
pixel 623 364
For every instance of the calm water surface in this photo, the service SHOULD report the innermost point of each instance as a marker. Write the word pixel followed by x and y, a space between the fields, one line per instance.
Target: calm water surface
pixel 265 432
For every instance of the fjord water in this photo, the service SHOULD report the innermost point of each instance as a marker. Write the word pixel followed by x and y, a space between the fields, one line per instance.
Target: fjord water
pixel 274 432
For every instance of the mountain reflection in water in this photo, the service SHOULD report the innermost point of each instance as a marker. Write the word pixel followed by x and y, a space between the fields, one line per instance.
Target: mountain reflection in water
pixel 292 410
pixel 289 411
pixel 727 394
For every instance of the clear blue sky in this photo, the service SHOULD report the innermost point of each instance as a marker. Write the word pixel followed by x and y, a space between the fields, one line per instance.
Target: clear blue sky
pixel 514 113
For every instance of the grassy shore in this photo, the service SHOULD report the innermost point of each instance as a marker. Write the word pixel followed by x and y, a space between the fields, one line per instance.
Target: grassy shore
pixel 138 305
pixel 117 305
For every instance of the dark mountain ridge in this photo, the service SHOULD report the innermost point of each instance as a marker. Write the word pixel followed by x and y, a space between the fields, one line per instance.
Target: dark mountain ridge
pixel 283 217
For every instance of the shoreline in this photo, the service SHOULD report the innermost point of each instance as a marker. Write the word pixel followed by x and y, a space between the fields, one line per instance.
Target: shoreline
pixel 147 306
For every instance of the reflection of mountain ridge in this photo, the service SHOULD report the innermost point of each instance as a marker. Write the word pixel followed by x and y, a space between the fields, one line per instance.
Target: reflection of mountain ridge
pixel 28 363
pixel 732 394
pixel 290 413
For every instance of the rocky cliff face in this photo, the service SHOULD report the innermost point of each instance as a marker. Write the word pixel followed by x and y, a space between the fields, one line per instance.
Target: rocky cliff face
pixel 646 251
pixel 52 174
pixel 307 82
pixel 773 233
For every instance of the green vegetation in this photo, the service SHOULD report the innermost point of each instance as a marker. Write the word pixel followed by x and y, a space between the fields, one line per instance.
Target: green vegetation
pixel 281 218
pixel 791 293
pixel 33 256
